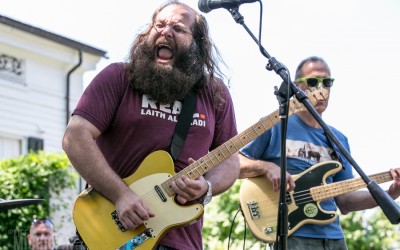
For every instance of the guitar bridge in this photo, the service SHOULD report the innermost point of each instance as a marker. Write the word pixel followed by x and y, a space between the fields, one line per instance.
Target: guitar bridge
pixel 254 209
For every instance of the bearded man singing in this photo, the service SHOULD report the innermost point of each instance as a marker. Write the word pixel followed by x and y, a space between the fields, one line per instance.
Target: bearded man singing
pixel 131 109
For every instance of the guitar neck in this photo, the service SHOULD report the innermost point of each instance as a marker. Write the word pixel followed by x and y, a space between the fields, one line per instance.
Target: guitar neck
pixel 328 191
pixel 224 151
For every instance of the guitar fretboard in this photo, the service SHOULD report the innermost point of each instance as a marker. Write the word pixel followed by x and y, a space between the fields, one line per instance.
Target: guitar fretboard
pixel 325 192
pixel 224 151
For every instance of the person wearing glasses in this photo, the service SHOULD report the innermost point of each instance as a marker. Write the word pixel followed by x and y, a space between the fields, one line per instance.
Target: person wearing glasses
pixel 306 146
pixel 41 235
pixel 130 110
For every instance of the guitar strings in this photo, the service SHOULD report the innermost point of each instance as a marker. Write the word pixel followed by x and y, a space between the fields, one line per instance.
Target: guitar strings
pixel 336 188
pixel 317 193
pixel 195 172
pixel 300 197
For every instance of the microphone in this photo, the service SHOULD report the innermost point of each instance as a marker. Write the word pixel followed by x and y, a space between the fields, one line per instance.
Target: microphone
pixel 209 5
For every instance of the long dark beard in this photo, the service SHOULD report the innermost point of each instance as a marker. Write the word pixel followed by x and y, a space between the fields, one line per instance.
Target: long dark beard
pixel 163 83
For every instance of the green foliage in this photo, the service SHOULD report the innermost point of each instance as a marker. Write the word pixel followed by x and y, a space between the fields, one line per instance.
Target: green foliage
pixel 369 230
pixel 223 222
pixel 32 176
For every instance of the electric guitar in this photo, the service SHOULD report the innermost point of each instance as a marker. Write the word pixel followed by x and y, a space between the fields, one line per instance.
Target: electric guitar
pixel 259 202
pixel 95 217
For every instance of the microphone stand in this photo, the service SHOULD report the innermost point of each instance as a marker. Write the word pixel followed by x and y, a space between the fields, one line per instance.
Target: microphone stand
pixel 286 90
pixel 283 96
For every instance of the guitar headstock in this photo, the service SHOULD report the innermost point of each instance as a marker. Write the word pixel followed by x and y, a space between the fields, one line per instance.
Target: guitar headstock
pixel 317 95
pixel 313 96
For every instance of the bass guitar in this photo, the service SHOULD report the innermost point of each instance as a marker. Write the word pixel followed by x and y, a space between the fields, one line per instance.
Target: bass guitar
pixel 259 202
pixel 95 217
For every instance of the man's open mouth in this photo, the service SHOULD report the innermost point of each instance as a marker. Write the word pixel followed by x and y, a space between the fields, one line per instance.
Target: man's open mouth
pixel 164 53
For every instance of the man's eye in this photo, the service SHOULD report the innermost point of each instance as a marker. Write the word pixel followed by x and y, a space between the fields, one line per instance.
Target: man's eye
pixel 159 25
pixel 178 29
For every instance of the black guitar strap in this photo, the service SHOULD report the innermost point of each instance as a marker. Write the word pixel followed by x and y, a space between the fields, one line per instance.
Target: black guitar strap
pixel 183 125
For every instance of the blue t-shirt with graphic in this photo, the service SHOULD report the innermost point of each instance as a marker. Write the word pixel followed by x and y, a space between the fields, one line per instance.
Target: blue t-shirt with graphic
pixel 305 147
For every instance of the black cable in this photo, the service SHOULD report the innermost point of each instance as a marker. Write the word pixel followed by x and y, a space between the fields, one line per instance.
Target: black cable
pixel 244 236
pixel 230 231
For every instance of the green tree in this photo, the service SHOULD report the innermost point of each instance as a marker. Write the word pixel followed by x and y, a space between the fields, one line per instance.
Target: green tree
pixel 369 230
pixel 35 175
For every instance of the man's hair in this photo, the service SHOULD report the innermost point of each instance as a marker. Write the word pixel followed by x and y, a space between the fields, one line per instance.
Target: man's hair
pixel 46 221
pixel 209 53
pixel 299 69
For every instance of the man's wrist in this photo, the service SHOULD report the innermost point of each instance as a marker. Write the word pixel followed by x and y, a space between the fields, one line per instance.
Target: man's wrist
pixel 393 194
pixel 206 198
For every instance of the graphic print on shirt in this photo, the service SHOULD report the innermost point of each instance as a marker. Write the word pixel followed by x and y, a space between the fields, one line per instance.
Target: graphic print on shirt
pixel 168 112
pixel 309 152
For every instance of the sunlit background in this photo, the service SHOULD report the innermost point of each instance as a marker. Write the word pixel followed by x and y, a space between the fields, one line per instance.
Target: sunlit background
pixel 359 39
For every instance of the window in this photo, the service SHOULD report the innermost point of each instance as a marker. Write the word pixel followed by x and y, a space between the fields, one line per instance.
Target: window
pixel 35 144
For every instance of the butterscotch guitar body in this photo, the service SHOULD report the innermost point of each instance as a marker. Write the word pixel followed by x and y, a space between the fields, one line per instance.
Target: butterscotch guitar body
pixel 93 218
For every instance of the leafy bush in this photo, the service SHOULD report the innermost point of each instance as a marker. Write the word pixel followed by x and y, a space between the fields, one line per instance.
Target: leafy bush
pixel 369 230
pixel 32 176
pixel 224 223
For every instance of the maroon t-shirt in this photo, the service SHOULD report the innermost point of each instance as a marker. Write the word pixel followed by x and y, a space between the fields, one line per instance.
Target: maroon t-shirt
pixel 133 126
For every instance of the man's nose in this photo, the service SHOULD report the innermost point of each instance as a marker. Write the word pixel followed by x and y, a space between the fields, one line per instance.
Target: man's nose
pixel 167 30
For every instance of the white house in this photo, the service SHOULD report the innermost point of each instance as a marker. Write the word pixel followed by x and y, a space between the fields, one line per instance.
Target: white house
pixel 41 80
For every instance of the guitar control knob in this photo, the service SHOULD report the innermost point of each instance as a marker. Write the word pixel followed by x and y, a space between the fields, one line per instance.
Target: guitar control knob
pixel 268 230
pixel 148 233
pixel 135 243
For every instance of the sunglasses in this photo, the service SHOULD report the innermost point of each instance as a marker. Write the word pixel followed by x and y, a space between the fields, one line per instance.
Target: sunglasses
pixel 313 82
pixel 46 221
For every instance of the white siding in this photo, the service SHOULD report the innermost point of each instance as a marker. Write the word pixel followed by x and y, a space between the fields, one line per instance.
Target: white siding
pixel 10 147
pixel 37 106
